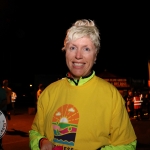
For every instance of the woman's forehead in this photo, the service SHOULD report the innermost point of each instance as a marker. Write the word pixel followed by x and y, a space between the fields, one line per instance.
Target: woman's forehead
pixel 83 40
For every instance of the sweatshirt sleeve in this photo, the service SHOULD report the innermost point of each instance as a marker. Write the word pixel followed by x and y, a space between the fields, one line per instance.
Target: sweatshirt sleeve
pixel 130 146
pixel 34 137
pixel 37 128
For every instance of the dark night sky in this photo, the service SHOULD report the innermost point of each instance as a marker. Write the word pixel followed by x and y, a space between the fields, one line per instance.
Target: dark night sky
pixel 32 36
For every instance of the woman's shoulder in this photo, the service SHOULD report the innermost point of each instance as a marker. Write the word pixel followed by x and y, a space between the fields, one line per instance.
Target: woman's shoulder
pixel 104 81
pixel 57 83
pixel 105 85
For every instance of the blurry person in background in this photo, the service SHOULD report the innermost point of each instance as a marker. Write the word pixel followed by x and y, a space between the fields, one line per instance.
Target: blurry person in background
pixel 130 104
pixel 8 93
pixel 149 104
pixel 137 99
pixel 39 91
pixel 13 100
pixel 81 111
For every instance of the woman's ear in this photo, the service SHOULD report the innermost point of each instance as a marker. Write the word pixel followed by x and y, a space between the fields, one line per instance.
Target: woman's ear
pixel 64 51
pixel 95 57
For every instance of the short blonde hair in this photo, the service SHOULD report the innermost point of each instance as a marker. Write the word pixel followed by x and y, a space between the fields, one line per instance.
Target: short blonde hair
pixel 83 28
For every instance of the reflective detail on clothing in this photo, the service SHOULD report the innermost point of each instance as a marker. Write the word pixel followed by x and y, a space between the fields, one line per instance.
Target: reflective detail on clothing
pixel 131 146
pixel 34 139
pixel 137 102
pixel 13 97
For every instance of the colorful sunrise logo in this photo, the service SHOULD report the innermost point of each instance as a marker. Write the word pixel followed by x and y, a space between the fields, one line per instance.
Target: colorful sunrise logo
pixel 65 121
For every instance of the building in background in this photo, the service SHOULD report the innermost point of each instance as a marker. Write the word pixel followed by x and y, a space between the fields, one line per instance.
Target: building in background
pixel 123 84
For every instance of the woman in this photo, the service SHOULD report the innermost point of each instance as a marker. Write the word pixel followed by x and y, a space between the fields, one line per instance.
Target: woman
pixel 81 111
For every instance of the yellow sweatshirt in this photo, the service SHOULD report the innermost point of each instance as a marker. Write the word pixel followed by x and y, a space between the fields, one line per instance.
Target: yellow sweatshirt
pixel 84 117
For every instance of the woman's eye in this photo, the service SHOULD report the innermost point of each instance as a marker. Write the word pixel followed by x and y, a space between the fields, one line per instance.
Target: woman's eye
pixel 86 49
pixel 72 48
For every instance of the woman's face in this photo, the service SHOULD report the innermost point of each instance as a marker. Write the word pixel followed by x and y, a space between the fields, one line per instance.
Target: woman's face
pixel 80 57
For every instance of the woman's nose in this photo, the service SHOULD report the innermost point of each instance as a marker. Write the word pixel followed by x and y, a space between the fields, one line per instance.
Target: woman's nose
pixel 78 54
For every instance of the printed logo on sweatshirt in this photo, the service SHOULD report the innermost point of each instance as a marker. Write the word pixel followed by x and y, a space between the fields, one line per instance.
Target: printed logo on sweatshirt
pixel 65 124
pixel 3 124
